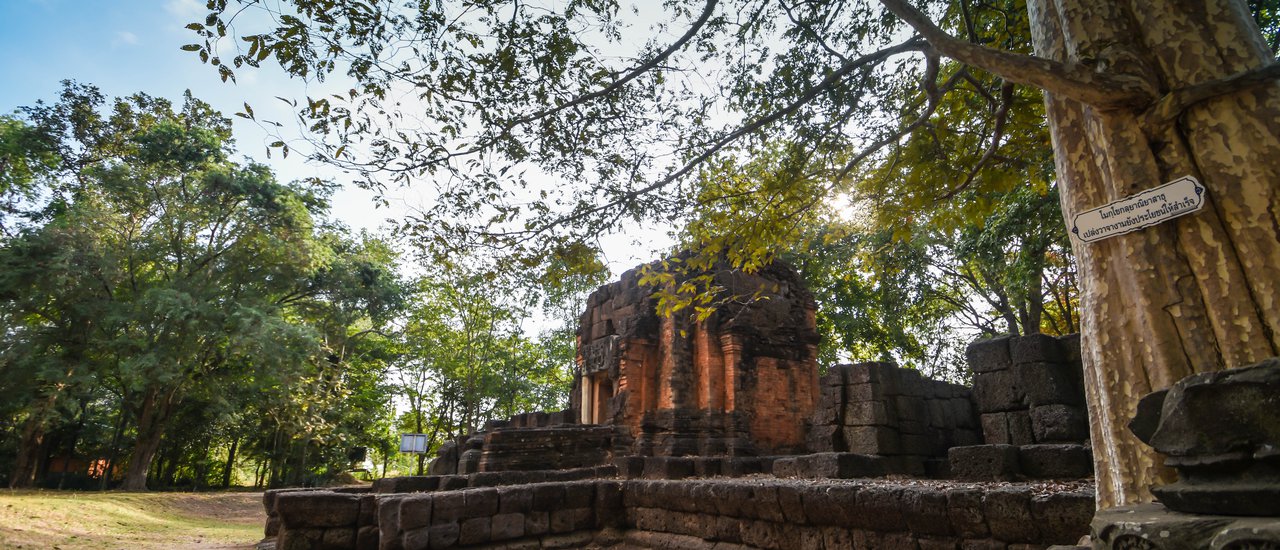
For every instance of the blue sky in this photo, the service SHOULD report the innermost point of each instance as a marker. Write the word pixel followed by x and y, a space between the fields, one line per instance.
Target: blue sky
pixel 128 46
pixel 119 45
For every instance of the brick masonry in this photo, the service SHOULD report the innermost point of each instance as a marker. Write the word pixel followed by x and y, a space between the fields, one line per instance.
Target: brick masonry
pixel 741 382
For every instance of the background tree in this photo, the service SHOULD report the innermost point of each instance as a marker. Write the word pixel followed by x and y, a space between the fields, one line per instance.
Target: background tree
pixel 467 358
pixel 155 280
pixel 897 275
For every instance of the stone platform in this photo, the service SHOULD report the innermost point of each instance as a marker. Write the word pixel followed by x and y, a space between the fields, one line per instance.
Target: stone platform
pixel 1154 527
pixel 719 514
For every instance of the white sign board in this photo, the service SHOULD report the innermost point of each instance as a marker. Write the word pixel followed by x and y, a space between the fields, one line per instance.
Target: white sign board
pixel 413 443
pixel 1157 205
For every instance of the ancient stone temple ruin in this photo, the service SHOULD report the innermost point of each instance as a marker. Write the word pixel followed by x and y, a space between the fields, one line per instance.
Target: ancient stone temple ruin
pixel 741 382
pixel 721 435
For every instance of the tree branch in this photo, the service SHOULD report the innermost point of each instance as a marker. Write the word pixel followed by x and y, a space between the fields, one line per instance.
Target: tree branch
pixel 1002 117
pixel 1171 106
pixel 1070 80
pixel 933 95
pixel 634 73
pixel 844 70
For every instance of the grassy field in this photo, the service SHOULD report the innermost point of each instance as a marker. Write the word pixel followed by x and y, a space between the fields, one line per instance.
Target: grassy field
pixel 69 520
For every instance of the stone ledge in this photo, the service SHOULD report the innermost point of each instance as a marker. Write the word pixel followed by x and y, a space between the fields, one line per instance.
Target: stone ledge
pixel 414 484
pixel 712 513
pixel 1156 527
pixel 1013 462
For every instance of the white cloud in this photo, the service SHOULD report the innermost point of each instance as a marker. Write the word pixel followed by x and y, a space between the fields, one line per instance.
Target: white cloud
pixel 186 10
pixel 125 38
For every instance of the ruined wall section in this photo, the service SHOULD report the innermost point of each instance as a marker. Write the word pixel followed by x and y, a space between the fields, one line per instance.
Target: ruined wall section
pixel 1030 396
pixel 528 441
pixel 740 382
pixel 1029 389
pixel 618 337
pixel 883 410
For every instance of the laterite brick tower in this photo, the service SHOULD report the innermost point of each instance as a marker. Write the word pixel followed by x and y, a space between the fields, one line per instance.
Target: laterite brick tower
pixel 742 382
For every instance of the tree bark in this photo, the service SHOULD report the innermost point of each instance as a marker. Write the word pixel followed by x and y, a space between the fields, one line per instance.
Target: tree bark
pixel 231 462
pixel 152 414
pixel 28 462
pixel 24 468
pixel 113 452
pixel 71 445
pixel 1191 295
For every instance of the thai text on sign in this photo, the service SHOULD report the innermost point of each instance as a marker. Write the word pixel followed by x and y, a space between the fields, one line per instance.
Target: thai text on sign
pixel 1153 206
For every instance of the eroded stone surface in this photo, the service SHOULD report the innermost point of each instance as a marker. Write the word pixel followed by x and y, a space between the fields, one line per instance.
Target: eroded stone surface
pixel 880 409
pixel 1221 431
pixel 754 513
pixel 1153 526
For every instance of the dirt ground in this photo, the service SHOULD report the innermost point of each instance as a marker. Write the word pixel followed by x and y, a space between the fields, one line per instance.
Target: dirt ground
pixel 70 520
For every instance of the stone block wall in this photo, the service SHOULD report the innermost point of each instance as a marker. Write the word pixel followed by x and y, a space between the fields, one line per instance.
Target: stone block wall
pixel 1029 390
pixel 311 518
pixel 1030 395
pixel 682 467
pixel 545 448
pixel 539 419
pixel 528 441
pixel 694 514
pixel 559 515
pixel 785 515
pixel 881 409
pixel 430 483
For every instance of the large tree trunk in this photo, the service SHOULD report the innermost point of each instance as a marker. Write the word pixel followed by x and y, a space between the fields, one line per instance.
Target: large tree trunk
pixel 32 443
pixel 231 462
pixel 152 414
pixel 28 457
pixel 1195 294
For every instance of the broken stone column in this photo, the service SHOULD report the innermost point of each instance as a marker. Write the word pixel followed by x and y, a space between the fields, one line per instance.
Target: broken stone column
pixel 1221 432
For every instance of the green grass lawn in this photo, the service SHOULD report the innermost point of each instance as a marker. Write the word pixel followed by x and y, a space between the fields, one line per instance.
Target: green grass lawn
pixel 71 520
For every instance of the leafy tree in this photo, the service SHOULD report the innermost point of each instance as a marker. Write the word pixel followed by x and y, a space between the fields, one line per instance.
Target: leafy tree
pixel 466 357
pixel 25 155
pixel 174 283
pixel 917 264
pixel 1135 94
pixel 895 281
pixel 304 418
pixel 913 293
pixel 877 298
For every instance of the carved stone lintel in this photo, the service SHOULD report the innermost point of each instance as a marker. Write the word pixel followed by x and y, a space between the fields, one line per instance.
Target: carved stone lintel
pixel 600 355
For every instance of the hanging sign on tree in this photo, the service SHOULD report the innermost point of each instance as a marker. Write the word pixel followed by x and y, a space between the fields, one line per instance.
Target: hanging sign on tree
pixel 1153 206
